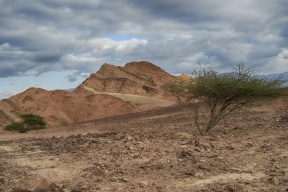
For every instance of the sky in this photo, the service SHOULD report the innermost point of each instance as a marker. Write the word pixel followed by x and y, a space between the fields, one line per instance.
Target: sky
pixel 57 44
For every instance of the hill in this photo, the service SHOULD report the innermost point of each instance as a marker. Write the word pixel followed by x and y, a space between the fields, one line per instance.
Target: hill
pixel 137 78
pixel 113 90
pixel 61 107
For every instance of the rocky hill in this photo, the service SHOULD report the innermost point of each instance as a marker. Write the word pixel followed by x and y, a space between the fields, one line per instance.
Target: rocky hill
pixel 112 90
pixel 138 78
pixel 61 107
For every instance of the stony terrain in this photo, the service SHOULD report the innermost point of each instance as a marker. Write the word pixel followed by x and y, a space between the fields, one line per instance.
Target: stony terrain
pixel 157 150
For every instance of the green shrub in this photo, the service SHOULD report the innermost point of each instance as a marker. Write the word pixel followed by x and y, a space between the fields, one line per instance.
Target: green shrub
pixel 33 122
pixel 16 126
pixel 29 122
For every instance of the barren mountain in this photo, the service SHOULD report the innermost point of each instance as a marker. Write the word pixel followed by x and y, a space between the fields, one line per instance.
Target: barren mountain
pixel 112 90
pixel 62 107
pixel 138 78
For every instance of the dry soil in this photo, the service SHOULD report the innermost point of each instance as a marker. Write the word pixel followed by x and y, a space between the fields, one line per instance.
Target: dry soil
pixel 157 150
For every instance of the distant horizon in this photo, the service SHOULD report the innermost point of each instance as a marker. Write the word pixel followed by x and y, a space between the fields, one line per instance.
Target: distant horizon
pixel 72 88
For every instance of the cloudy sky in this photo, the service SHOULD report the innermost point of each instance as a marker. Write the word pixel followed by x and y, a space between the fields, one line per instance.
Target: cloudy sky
pixel 56 44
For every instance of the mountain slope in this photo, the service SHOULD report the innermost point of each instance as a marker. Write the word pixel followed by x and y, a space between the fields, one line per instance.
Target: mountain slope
pixel 137 78
pixel 145 102
pixel 61 107
pixel 112 90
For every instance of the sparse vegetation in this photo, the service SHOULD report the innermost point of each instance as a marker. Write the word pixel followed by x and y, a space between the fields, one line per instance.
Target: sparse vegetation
pixel 29 122
pixel 216 95
pixel 16 126
pixel 184 136
pixel 63 122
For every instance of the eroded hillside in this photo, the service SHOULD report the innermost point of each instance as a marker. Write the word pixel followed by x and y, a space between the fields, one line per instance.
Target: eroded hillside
pixel 113 90
pixel 138 78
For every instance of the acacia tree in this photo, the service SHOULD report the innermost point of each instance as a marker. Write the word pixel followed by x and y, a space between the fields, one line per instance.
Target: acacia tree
pixel 219 95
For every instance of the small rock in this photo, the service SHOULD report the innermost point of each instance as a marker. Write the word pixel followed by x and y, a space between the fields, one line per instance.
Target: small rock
pixel 160 167
pixel 55 188
pixel 233 146
pixel 119 136
pixel 131 148
pixel 190 173
pixel 285 171
pixel 143 183
pixel 124 180
pixel 201 167
pixel 229 189
pixel 270 180
pixel 249 145
pixel 184 154
pixel 65 190
pixel 285 181
pixel 276 181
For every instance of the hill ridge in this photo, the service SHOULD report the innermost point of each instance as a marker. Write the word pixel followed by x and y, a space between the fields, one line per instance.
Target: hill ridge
pixel 112 90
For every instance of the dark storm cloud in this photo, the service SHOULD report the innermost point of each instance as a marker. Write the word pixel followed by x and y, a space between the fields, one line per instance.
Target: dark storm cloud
pixel 182 11
pixel 47 57
pixel 262 53
pixel 34 12
pixel 283 32
pixel 43 36
pixel 7 71
pixel 13 39
pixel 14 70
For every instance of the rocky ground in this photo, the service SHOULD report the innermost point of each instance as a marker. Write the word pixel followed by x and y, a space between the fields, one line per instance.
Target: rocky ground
pixel 157 150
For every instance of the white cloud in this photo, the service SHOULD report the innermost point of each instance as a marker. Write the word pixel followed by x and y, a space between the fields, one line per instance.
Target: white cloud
pixel 278 62
pixel 81 58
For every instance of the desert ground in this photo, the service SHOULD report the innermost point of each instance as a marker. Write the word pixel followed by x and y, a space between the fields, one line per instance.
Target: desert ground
pixel 157 150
